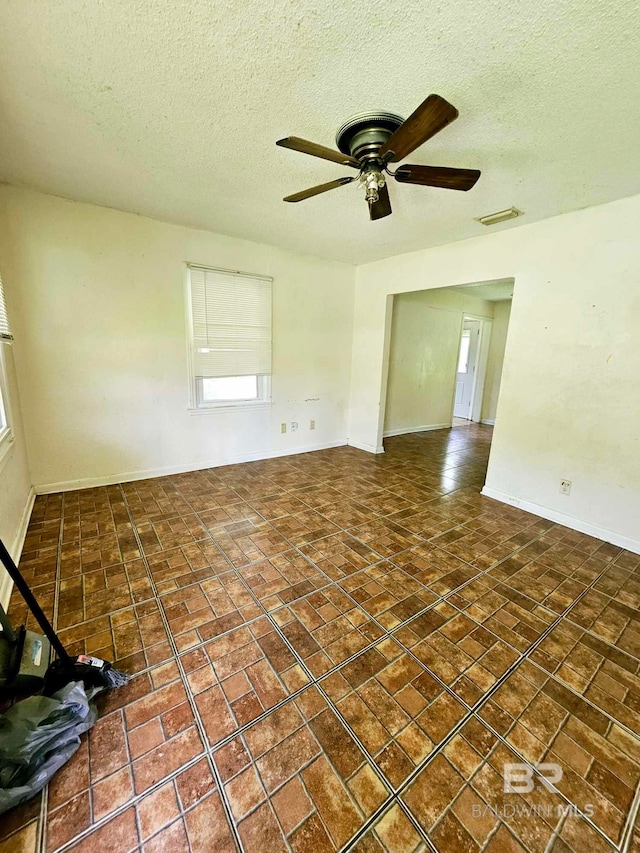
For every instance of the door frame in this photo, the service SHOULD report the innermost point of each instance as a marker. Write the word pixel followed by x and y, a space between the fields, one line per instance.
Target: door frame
pixel 481 366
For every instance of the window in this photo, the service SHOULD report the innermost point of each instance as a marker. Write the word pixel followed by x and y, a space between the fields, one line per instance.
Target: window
pixel 5 339
pixel 230 338
pixel 463 358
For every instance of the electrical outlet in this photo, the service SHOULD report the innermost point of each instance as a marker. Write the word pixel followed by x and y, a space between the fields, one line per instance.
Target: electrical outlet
pixel 294 426
pixel 565 487
pixel 312 424
pixel 283 427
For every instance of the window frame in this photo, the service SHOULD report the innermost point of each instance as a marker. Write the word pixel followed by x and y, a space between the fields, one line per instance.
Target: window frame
pixel 196 404
pixel 263 395
pixel 6 431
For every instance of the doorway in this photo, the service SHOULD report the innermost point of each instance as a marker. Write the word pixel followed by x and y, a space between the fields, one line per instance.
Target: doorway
pixel 467 373
pixel 445 357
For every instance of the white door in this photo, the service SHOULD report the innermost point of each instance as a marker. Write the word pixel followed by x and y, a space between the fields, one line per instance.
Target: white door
pixel 467 365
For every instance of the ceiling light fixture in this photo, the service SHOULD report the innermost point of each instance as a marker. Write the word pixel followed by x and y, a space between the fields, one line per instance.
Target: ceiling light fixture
pixel 500 216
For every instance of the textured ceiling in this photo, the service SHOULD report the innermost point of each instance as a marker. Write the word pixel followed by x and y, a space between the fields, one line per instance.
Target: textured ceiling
pixel 171 109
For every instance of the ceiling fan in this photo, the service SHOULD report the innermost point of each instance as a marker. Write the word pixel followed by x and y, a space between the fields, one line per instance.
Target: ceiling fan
pixel 368 142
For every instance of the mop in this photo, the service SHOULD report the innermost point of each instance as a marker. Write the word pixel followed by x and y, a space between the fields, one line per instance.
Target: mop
pixel 96 674
pixel 40 733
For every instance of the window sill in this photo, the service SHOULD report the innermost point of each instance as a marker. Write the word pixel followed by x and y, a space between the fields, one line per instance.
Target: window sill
pixel 229 407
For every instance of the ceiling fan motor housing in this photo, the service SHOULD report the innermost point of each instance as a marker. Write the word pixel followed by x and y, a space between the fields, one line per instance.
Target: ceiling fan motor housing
pixel 364 134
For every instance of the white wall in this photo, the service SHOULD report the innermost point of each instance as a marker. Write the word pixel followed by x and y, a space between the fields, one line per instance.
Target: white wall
pixel 423 355
pixel 16 494
pixel 495 360
pixel 569 405
pixel 101 350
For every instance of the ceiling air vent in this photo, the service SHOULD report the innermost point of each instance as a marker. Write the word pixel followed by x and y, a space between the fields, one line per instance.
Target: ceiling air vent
pixel 500 216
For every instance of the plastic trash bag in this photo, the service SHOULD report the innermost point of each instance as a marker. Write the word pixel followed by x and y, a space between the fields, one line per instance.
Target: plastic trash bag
pixel 37 736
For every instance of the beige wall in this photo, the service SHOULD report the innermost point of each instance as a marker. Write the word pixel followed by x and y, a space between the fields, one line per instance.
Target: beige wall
pixel 495 360
pixel 569 402
pixel 425 339
pixel 101 349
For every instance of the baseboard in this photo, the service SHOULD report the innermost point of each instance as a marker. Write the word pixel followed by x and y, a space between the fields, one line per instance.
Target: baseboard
pixel 15 549
pixel 488 421
pixel 150 473
pixel 368 448
pixel 603 533
pixel 406 430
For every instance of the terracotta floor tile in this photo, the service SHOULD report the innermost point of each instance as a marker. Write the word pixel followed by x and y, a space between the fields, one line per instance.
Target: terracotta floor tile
pixel 316 495
pixel 611 620
pixel 102 591
pixel 304 527
pixel 464 655
pixel 354 487
pixel 281 505
pixel 546 722
pixel 39 566
pixel 20 614
pixel 460 802
pixel 393 832
pixel 622 584
pixel 553 589
pixel 157 536
pixel 248 542
pixel 398 710
pixel 105 772
pixel 385 537
pixel 515 618
pixel 205 610
pixel 426 519
pixel 435 568
pixel 97 553
pixel 180 567
pixel 19 826
pixel 218 520
pixel 282 579
pixel 340 555
pixel 606 676
pixel 48 507
pixel 302 745
pixel 132 638
pixel 409 596
pixel 24 840
pixel 388 594
pixel 347 512
pixel 237 677
pixel 326 628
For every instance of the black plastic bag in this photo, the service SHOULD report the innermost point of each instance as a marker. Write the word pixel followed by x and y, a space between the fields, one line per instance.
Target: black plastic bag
pixel 37 736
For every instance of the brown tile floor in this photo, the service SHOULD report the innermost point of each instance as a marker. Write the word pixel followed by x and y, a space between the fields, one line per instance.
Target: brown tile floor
pixel 339 651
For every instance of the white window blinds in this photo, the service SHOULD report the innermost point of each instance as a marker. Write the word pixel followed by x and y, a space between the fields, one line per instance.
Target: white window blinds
pixel 231 315
pixel 5 331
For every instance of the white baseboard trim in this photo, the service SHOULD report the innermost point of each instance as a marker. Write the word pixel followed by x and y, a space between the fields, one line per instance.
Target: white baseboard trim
pixel 571 521
pixel 368 448
pixel 150 473
pixel 15 549
pixel 406 430
pixel 488 421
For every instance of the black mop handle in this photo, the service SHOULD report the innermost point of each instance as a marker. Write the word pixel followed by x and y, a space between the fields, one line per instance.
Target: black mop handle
pixel 34 607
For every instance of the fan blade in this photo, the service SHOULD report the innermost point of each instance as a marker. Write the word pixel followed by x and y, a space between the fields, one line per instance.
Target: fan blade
pixel 431 117
pixel 438 176
pixel 321 188
pixel 382 207
pixel 315 150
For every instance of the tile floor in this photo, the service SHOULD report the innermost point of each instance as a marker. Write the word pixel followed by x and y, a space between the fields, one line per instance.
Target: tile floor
pixel 339 651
